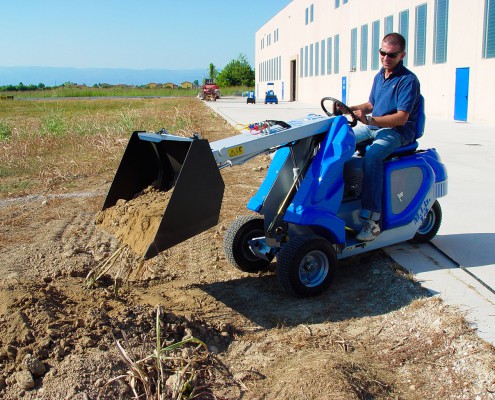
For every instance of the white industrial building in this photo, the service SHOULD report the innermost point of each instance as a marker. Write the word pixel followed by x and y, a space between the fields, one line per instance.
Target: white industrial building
pixel 317 48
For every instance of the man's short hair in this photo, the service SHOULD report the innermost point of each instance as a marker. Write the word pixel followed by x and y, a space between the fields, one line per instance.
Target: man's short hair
pixel 395 39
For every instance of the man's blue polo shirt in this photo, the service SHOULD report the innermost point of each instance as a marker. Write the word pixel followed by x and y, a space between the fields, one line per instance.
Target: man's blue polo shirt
pixel 399 92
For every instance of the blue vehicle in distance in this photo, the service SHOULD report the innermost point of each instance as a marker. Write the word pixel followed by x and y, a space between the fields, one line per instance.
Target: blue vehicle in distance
pixel 270 96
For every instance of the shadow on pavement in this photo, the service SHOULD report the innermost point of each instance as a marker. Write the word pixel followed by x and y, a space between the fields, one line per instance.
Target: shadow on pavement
pixel 469 249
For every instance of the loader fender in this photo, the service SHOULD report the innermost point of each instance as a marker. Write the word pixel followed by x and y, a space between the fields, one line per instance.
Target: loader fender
pixel 319 197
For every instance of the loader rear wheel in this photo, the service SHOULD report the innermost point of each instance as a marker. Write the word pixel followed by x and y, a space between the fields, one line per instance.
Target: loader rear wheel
pixel 236 244
pixel 306 265
pixel 430 225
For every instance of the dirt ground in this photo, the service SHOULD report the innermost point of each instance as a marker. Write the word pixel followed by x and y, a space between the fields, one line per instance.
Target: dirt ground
pixel 376 334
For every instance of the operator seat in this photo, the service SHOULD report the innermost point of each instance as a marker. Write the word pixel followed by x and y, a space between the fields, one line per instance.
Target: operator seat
pixel 420 127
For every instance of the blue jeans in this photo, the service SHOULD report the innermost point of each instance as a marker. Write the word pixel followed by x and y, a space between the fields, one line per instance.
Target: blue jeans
pixel 384 143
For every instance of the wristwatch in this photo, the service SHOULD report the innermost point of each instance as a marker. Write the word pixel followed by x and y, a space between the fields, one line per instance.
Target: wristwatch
pixel 370 120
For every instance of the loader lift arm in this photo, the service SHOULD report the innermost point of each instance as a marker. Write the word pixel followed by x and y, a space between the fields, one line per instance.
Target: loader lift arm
pixel 238 149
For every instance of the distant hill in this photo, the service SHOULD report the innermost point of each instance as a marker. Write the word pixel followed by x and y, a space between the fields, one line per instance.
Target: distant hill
pixel 53 76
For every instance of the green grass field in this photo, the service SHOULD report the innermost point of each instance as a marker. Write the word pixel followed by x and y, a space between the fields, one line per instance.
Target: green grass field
pixel 75 91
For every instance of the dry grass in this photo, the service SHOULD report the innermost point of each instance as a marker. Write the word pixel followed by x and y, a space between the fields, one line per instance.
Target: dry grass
pixel 52 143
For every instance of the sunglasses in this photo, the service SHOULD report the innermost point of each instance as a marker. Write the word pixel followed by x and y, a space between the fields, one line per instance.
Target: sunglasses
pixel 391 55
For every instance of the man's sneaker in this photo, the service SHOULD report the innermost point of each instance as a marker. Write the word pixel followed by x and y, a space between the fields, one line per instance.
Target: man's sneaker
pixel 369 232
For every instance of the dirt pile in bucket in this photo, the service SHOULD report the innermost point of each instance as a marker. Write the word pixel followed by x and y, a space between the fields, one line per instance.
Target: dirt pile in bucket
pixel 135 222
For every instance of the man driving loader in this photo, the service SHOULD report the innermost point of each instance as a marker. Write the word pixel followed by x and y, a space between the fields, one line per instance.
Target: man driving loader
pixel 393 104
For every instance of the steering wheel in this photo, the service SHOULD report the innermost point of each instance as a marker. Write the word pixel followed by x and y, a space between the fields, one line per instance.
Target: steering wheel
pixel 336 109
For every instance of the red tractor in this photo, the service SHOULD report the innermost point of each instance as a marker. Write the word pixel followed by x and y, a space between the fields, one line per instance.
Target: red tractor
pixel 209 91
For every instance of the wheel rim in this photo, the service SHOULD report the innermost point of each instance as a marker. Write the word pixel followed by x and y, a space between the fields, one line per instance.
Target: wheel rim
pixel 313 268
pixel 246 251
pixel 428 223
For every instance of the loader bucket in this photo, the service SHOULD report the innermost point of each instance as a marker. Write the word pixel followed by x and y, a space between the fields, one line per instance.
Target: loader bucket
pixel 188 168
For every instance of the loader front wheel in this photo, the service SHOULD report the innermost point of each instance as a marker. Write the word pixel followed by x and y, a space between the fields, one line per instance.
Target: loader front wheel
pixel 306 265
pixel 236 244
pixel 430 225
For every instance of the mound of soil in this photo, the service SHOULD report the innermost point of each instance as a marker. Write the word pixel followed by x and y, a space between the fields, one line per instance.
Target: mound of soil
pixel 135 222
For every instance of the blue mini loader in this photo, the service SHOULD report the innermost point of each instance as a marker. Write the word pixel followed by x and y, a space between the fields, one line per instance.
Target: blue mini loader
pixel 305 213
pixel 251 98
pixel 270 96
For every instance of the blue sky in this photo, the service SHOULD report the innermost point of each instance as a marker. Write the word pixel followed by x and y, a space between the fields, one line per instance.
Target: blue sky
pixel 136 34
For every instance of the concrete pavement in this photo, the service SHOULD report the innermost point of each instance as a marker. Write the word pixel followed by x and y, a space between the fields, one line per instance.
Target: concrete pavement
pixel 459 265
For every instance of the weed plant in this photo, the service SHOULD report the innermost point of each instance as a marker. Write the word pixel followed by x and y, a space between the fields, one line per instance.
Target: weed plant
pixel 5 131
pixel 168 370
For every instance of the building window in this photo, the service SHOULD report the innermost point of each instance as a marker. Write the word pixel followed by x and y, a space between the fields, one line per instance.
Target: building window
pixel 322 67
pixel 345 1
pixel 311 58
pixel 329 56
pixel 375 45
pixel 317 58
pixel 306 50
pixel 336 57
pixel 364 47
pixel 353 49
pixel 388 25
pixel 404 30
pixel 337 3
pixel 420 38
pixel 301 63
pixel 310 14
pixel 441 31
pixel 489 30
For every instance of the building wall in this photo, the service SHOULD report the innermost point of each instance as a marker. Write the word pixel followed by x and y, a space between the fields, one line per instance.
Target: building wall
pixel 279 42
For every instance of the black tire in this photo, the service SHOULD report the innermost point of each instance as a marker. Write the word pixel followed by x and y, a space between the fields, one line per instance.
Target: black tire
pixel 236 244
pixel 306 265
pixel 430 225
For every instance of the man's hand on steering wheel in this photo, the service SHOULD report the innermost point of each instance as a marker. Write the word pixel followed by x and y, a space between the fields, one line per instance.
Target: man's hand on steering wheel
pixel 339 108
pixel 361 116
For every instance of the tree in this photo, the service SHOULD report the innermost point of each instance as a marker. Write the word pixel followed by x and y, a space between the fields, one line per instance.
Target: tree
pixel 212 72
pixel 237 72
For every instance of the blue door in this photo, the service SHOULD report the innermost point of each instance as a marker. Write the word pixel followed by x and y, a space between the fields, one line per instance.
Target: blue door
pixel 344 89
pixel 461 94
